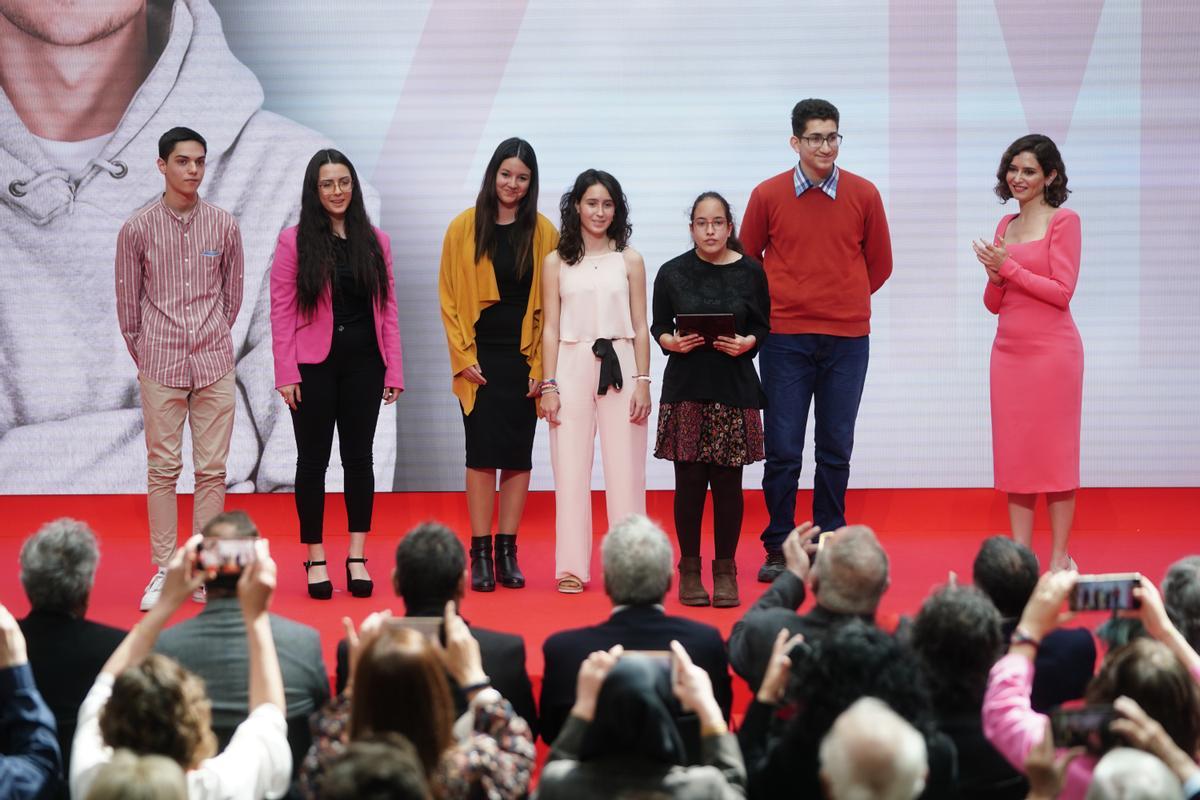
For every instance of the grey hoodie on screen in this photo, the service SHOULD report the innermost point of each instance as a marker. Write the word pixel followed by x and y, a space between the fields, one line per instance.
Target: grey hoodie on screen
pixel 70 411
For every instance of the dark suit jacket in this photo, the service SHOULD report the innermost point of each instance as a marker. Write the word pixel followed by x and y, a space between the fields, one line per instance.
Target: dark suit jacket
pixel 66 654
pixel 753 636
pixel 503 657
pixel 1063 667
pixel 636 628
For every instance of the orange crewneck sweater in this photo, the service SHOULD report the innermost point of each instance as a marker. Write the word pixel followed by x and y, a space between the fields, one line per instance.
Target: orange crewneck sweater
pixel 824 257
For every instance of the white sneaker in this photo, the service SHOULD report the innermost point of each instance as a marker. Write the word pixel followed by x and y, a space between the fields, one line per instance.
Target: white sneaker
pixel 200 596
pixel 153 590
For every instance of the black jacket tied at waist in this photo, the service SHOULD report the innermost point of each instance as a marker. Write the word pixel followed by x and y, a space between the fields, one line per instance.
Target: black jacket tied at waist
pixel 610 366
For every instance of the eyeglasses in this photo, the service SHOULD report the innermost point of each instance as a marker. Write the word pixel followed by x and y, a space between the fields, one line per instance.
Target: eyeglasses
pixel 834 140
pixel 345 183
pixel 717 223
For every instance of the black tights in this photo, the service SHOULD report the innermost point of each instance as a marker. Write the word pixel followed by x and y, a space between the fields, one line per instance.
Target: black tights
pixel 692 479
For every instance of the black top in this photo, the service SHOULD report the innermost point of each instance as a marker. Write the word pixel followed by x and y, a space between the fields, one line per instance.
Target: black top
pixel 351 300
pixel 500 323
pixel 689 285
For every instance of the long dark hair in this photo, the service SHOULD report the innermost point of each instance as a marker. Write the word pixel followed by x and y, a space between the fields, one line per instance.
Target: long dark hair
pixel 1048 158
pixel 487 205
pixel 314 239
pixel 570 243
pixel 734 243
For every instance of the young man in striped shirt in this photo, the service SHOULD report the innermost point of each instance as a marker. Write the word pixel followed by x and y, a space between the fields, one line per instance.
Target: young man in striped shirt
pixel 823 239
pixel 179 287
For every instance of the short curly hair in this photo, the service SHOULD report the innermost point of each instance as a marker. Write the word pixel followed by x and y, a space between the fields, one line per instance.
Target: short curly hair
pixel 957 637
pixel 1049 159
pixel 159 707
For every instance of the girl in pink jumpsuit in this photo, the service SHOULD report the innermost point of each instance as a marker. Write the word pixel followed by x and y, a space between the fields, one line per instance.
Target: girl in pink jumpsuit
pixel 1037 357
pixel 596 356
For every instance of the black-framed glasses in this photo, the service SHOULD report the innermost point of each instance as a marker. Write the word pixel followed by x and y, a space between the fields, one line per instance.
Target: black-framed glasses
pixel 815 140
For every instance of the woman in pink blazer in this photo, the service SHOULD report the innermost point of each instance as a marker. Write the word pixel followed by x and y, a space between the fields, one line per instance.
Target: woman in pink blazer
pixel 336 341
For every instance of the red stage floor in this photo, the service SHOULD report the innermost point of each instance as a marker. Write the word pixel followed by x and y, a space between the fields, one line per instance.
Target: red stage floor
pixel 927 534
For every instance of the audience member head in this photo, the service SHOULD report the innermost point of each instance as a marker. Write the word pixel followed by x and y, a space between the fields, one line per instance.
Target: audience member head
pixel 158 707
pixel 1007 572
pixel 1181 596
pixel 635 714
pixel 871 753
pixel 1146 671
pixel 957 637
pixel 400 686
pixel 58 566
pixel 228 525
pixel 1128 774
pixel 430 564
pixel 852 661
pixel 851 572
pixel 384 767
pixel 637 562
pixel 129 776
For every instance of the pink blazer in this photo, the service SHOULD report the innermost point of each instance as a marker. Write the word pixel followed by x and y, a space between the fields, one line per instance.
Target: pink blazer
pixel 300 339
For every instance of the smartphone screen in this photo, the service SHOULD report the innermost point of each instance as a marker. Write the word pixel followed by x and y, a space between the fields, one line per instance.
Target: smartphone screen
pixel 1086 726
pixel 225 558
pixel 1113 591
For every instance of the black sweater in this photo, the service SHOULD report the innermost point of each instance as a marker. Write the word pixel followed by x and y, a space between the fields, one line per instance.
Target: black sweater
pixel 689 285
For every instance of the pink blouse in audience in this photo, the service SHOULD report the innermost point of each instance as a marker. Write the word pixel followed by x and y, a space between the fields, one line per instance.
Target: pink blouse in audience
pixel 1014 728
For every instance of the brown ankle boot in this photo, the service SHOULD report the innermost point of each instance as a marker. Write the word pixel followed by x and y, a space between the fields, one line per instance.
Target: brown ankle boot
pixel 725 588
pixel 691 588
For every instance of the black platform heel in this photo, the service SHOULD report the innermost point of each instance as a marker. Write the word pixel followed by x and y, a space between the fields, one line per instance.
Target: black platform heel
pixel 357 586
pixel 322 590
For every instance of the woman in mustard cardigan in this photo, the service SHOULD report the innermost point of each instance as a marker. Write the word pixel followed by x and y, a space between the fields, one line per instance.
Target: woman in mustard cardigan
pixel 490 290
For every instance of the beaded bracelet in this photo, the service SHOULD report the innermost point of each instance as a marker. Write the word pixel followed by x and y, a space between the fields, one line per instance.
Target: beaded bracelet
pixel 645 378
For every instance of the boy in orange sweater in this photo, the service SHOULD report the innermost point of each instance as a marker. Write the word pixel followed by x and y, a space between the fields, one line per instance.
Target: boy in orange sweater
pixel 822 236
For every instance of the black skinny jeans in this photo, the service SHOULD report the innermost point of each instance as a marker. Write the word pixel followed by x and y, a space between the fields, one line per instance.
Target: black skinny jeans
pixel 345 390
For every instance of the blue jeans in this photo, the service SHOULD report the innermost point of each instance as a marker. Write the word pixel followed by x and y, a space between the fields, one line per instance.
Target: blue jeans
pixel 795 369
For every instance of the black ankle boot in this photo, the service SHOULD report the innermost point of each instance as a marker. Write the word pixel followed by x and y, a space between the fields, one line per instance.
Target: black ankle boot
pixel 506 561
pixel 483 576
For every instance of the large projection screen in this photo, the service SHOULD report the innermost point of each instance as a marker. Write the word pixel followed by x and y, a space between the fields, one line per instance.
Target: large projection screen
pixel 674 97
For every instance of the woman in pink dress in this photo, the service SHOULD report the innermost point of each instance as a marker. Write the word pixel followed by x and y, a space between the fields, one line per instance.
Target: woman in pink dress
pixel 1037 357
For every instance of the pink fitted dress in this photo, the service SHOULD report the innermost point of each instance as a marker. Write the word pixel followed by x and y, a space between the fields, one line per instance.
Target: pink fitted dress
pixel 1037 361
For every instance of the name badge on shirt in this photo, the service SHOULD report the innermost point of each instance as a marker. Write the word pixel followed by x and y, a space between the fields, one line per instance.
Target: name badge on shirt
pixel 211 253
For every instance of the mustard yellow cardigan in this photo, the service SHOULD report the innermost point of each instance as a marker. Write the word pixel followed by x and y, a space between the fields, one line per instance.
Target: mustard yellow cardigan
pixel 465 288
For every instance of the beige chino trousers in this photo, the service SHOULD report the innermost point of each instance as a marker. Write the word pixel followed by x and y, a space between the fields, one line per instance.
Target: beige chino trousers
pixel 209 412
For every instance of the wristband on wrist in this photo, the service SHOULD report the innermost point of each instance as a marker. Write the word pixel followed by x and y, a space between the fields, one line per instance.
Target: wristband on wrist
pixel 1022 636
pixel 477 685
pixel 645 378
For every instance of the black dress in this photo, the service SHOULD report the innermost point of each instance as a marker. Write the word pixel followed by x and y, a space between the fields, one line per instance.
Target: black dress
pixel 501 426
pixel 709 409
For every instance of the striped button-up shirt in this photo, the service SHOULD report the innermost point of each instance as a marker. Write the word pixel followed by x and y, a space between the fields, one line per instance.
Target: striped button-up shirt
pixel 828 185
pixel 179 288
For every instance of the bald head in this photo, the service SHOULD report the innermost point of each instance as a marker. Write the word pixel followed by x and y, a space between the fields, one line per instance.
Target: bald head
pixel 1128 774
pixel 871 753
pixel 851 571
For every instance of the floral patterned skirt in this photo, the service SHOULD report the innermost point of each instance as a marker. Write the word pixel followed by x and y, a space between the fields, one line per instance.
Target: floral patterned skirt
pixel 710 433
